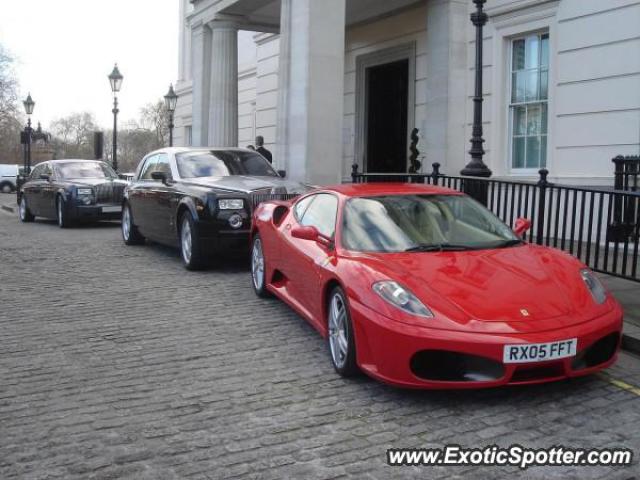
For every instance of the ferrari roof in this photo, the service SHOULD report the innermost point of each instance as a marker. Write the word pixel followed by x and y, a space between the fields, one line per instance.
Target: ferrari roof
pixel 385 188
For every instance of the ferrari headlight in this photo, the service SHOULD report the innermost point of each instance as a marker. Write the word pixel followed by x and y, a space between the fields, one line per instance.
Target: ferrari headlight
pixel 230 204
pixel 84 191
pixel 594 285
pixel 401 298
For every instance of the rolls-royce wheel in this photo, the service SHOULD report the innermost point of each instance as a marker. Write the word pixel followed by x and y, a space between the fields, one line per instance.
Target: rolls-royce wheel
pixel 191 250
pixel 63 216
pixel 6 187
pixel 130 233
pixel 258 271
pixel 341 340
pixel 25 214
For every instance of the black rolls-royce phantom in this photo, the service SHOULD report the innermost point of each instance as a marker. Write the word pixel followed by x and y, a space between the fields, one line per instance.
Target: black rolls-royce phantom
pixel 70 191
pixel 200 200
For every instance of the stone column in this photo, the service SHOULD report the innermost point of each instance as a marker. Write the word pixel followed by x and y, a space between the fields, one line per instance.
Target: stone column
pixel 284 66
pixel 311 80
pixel 223 89
pixel 447 24
pixel 201 68
pixel 182 32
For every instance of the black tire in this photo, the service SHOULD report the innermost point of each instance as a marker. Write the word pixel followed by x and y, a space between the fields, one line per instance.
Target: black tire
pixel 6 187
pixel 23 209
pixel 258 270
pixel 193 255
pixel 343 362
pixel 130 233
pixel 62 214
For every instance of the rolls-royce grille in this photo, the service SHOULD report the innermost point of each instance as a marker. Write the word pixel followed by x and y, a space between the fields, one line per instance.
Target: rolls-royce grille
pixel 109 193
pixel 257 197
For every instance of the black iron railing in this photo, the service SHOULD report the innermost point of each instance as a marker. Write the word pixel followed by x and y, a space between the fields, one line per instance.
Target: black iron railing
pixel 583 221
pixel 627 173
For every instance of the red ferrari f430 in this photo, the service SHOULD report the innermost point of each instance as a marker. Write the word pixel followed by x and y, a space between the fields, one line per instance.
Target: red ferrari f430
pixel 421 286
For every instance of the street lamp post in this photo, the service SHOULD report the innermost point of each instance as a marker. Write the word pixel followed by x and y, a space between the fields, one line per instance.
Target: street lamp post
pixel 29 104
pixel 476 167
pixel 115 79
pixel 170 102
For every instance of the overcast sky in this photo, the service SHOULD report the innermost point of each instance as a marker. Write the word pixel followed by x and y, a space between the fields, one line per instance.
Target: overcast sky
pixel 66 49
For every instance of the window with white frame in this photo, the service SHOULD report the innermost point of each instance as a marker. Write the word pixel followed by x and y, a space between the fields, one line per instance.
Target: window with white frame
pixel 528 101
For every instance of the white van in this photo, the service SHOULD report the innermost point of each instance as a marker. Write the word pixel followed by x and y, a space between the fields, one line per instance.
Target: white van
pixel 8 174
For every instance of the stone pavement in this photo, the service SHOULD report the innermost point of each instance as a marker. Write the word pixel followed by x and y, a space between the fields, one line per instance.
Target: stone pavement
pixel 117 363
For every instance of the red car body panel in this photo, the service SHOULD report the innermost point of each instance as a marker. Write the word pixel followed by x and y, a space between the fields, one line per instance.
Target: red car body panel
pixel 481 299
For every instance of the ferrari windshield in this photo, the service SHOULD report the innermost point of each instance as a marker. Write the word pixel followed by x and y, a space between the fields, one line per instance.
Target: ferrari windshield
pixel 70 170
pixel 405 223
pixel 223 164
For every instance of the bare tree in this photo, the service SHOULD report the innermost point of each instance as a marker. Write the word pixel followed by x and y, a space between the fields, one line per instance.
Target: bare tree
pixel 73 135
pixel 154 117
pixel 134 142
pixel 10 117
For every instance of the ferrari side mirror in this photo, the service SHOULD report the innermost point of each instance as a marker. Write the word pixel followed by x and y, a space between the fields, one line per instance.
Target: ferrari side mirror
pixel 305 233
pixel 309 232
pixel 522 225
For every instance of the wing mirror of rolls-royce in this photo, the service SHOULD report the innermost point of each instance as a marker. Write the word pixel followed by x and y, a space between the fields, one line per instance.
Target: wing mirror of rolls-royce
pixel 161 177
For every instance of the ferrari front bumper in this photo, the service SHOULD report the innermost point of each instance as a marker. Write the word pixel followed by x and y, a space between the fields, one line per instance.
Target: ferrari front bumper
pixel 420 357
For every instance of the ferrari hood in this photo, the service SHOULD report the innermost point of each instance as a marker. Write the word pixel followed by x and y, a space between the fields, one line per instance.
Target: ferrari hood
pixel 519 285
pixel 249 184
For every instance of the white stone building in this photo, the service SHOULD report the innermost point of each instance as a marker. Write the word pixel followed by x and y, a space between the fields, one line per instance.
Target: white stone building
pixel 333 82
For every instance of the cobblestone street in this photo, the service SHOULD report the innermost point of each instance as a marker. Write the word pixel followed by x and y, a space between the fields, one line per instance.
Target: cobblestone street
pixel 115 362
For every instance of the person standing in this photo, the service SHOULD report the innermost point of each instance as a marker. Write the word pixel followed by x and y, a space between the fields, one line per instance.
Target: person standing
pixel 261 150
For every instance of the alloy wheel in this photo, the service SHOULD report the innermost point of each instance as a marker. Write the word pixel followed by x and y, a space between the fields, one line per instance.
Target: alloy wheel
pixel 126 223
pixel 257 264
pixel 60 219
pixel 186 240
pixel 23 208
pixel 338 335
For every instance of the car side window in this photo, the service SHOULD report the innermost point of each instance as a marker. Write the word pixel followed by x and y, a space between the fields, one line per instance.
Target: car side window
pixel 47 170
pixel 148 168
pixel 36 172
pixel 162 165
pixel 302 206
pixel 322 214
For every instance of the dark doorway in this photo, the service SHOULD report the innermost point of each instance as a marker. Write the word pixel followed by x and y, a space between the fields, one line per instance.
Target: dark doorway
pixel 387 104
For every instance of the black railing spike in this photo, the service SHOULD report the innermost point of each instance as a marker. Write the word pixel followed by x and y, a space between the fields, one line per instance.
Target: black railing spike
pixel 544 173
pixel 542 201
pixel 354 172
pixel 435 174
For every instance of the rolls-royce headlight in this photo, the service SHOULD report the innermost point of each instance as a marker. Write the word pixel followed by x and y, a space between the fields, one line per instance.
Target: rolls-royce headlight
pixel 398 296
pixel 230 204
pixel 85 191
pixel 594 285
